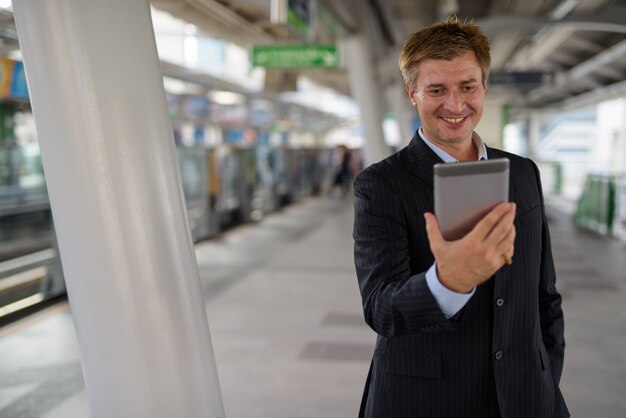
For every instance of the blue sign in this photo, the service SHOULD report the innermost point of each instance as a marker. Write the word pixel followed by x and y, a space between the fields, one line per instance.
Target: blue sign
pixel 264 137
pixel 19 89
pixel 234 135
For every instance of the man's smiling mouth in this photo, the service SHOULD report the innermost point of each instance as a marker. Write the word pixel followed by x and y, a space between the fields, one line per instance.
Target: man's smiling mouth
pixel 454 120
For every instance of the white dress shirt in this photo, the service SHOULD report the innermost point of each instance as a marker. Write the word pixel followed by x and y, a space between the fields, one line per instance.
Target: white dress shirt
pixel 449 301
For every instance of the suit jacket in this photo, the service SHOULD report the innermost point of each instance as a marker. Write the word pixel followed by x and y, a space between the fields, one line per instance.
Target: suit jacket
pixel 502 354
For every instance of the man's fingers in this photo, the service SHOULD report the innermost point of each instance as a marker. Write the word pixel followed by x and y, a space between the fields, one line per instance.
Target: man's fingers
pixel 484 227
pixel 506 246
pixel 502 228
pixel 432 230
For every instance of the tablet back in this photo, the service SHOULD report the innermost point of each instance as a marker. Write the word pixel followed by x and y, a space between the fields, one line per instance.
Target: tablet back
pixel 465 192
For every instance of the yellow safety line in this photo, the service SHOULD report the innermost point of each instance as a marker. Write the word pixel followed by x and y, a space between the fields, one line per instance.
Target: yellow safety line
pixel 34 318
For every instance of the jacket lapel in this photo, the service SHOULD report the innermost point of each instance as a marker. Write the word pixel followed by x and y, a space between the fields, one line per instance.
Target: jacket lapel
pixel 422 159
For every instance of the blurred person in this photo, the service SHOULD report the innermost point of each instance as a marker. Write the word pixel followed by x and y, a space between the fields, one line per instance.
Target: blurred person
pixel 463 331
pixel 342 178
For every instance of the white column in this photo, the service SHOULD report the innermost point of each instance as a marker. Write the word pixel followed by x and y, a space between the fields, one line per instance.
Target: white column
pixel 534 133
pixel 491 126
pixel 366 91
pixel 112 174
pixel 400 106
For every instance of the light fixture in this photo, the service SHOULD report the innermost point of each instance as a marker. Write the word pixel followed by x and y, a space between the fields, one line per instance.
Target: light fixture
pixel 178 87
pixel 227 98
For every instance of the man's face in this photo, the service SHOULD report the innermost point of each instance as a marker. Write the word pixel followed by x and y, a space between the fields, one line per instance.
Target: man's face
pixel 449 96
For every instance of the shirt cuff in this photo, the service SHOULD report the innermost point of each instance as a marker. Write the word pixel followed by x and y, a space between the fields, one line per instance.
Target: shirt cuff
pixel 450 302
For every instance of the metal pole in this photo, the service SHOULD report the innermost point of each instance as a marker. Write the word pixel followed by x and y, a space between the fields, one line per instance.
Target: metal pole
pixel 97 95
pixel 365 89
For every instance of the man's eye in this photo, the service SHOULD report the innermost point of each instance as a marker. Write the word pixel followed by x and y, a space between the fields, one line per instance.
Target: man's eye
pixel 468 88
pixel 436 92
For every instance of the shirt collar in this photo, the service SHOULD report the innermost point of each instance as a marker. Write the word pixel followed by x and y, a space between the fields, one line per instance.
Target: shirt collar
pixel 479 145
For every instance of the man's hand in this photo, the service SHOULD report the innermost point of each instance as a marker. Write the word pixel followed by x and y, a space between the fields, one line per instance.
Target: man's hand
pixel 473 259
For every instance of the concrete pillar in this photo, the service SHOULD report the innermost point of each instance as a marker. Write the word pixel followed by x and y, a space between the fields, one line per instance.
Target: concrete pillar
pixel 365 89
pixel 491 126
pixel 53 283
pixel 622 163
pixel 115 191
pixel 534 133
pixel 400 106
pixel 610 146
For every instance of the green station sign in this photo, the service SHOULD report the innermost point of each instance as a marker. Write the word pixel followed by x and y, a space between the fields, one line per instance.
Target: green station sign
pixel 295 56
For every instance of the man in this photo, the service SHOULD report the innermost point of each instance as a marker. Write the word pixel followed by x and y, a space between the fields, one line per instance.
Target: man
pixel 461 333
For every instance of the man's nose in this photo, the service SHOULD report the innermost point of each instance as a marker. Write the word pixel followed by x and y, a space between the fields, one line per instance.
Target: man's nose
pixel 454 102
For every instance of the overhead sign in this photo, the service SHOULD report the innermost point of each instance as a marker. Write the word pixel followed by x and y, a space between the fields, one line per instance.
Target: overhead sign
pixel 19 89
pixel 297 14
pixel 295 56
pixel 12 79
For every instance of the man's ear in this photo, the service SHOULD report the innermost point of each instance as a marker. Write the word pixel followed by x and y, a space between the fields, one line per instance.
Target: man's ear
pixel 411 93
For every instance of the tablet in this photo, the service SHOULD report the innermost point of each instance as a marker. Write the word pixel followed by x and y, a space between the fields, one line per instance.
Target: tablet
pixel 465 192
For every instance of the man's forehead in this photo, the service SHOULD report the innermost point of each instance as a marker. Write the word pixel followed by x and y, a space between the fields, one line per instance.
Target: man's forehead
pixel 458 70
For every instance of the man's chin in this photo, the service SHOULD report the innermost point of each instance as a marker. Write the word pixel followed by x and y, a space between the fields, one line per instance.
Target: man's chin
pixel 454 139
pixel 456 136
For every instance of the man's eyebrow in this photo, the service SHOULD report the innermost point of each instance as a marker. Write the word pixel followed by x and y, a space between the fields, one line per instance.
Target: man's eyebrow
pixel 461 83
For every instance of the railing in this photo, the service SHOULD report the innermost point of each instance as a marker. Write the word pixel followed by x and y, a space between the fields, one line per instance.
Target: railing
pixel 597 206
pixel 620 210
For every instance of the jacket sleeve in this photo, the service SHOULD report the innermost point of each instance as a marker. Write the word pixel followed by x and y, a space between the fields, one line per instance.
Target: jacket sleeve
pixel 550 311
pixel 395 302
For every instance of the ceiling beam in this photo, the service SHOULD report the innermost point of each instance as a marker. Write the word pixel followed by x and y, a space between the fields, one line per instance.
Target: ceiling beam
pixel 586 45
pixel 547 43
pixel 582 70
pixel 613 19
pixel 387 19
pixel 224 16
pixel 344 15
pixel 611 72
pixel 609 92
pixel 604 58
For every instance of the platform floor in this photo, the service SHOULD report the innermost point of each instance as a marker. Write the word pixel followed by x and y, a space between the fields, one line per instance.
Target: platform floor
pixel 287 329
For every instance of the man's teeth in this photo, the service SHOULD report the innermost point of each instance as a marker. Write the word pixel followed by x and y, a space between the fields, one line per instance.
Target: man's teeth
pixel 453 120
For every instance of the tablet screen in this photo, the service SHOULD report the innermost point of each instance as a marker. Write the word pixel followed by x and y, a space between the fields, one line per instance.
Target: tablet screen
pixel 465 192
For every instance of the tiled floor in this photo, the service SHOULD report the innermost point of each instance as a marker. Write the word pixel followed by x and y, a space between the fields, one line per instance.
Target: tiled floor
pixel 285 317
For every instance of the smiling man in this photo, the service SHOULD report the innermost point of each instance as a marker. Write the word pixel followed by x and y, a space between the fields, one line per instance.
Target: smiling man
pixel 462 332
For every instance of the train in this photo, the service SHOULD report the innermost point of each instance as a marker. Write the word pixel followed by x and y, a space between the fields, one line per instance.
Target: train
pixel 224 185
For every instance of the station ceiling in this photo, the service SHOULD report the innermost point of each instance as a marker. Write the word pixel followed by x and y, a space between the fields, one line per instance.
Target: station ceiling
pixel 578 47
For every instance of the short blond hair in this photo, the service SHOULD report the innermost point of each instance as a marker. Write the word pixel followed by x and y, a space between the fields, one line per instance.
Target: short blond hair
pixel 445 40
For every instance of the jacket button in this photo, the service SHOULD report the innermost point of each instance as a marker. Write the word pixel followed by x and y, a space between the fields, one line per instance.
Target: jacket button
pixel 498 355
pixel 499 302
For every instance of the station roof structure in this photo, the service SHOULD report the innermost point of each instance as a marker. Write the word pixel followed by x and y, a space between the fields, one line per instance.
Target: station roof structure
pixel 556 54
pixel 546 54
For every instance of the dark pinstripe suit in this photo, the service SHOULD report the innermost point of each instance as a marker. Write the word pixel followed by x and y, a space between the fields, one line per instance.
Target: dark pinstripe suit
pixel 426 365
